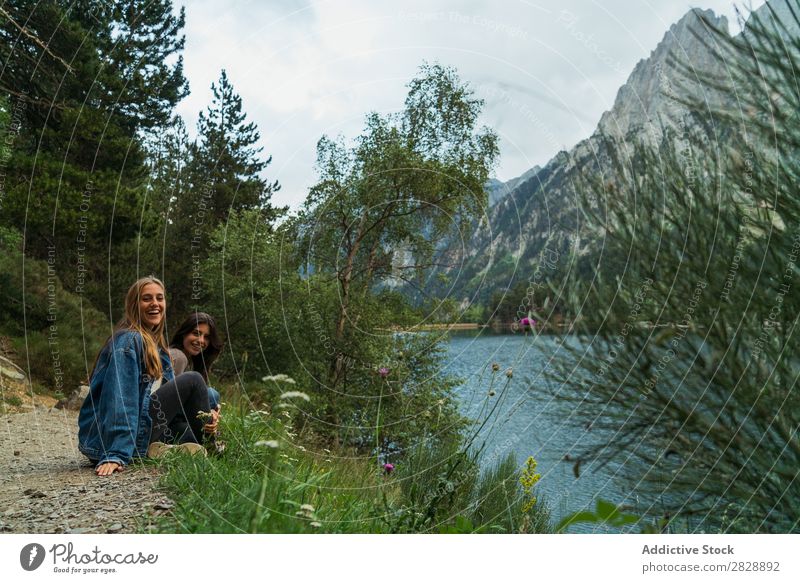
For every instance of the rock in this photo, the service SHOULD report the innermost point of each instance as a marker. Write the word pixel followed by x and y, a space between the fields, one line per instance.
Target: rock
pixel 79 530
pixel 116 527
pixel 16 452
pixel 75 400
pixel 34 493
pixel 164 505
pixel 10 370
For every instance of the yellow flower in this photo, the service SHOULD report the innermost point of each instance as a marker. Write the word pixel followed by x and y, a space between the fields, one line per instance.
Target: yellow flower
pixel 529 478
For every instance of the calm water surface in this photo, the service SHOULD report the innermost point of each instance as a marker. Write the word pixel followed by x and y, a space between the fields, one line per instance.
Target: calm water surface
pixel 528 420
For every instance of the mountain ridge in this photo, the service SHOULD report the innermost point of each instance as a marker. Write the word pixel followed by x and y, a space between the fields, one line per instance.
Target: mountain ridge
pixel 541 214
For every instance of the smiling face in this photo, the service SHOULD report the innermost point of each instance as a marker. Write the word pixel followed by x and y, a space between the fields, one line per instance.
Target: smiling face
pixel 152 305
pixel 197 340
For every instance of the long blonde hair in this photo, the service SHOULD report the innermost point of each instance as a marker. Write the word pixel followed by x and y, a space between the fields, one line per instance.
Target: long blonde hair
pixel 152 339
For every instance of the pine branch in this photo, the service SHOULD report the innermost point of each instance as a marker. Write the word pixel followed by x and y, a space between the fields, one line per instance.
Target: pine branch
pixel 35 39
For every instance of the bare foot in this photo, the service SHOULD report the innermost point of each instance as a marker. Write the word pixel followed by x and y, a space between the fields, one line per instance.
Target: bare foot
pixel 108 468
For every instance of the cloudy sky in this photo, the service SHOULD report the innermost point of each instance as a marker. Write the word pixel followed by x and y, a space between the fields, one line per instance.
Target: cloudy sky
pixel 547 70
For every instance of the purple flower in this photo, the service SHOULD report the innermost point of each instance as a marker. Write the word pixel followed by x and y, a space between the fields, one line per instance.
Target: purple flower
pixel 383 371
pixel 388 468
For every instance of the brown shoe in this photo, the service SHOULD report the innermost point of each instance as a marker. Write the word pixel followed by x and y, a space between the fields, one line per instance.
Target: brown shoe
pixel 190 449
pixel 158 449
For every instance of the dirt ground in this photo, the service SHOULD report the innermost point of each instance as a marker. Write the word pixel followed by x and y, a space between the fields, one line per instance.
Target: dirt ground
pixel 47 486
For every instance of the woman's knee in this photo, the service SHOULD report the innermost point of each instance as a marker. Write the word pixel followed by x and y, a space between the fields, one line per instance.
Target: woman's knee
pixel 193 378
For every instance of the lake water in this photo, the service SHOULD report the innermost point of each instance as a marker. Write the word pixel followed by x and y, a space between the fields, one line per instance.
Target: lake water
pixel 529 421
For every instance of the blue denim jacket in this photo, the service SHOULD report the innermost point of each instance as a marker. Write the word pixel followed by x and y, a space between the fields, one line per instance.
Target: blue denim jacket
pixel 114 423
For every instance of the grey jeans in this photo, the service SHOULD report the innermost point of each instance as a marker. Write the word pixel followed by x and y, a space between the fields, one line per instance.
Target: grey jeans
pixel 182 397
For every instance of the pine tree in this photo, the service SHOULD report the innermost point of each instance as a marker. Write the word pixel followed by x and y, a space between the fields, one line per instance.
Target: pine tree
pixel 185 223
pixel 76 179
pixel 228 160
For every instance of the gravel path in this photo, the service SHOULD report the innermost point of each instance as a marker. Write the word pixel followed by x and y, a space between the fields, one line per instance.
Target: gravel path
pixel 48 486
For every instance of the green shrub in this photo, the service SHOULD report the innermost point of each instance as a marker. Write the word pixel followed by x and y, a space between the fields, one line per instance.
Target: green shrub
pixel 690 374
pixel 52 329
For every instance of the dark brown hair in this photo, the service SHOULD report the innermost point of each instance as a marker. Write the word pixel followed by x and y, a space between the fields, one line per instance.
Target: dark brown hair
pixel 202 362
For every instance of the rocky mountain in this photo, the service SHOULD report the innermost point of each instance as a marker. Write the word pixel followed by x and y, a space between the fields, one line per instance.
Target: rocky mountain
pixel 536 220
pixel 498 190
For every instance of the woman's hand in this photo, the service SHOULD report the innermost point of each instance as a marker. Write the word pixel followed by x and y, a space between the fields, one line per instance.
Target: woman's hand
pixel 108 468
pixel 211 426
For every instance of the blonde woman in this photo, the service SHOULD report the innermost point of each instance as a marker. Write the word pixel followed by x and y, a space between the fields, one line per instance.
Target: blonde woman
pixel 133 394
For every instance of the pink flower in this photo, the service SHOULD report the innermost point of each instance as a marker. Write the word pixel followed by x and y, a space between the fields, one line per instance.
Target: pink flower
pixel 388 468
pixel 384 372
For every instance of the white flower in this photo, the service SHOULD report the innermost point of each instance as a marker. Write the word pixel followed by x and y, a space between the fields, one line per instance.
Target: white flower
pixel 316 524
pixel 270 443
pixel 307 507
pixel 279 378
pixel 295 395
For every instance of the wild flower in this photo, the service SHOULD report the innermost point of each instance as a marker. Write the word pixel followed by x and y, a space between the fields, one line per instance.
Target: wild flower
pixel 495 367
pixel 388 468
pixel 528 479
pixel 204 415
pixel 306 511
pixel 295 395
pixel 384 372
pixel 510 373
pixel 279 378
pixel 316 524
pixel 270 443
pixel 492 393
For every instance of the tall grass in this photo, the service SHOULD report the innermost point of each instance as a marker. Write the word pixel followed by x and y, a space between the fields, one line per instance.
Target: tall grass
pixel 271 480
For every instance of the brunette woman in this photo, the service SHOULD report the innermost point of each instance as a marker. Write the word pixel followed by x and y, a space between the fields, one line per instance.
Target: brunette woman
pixel 194 347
